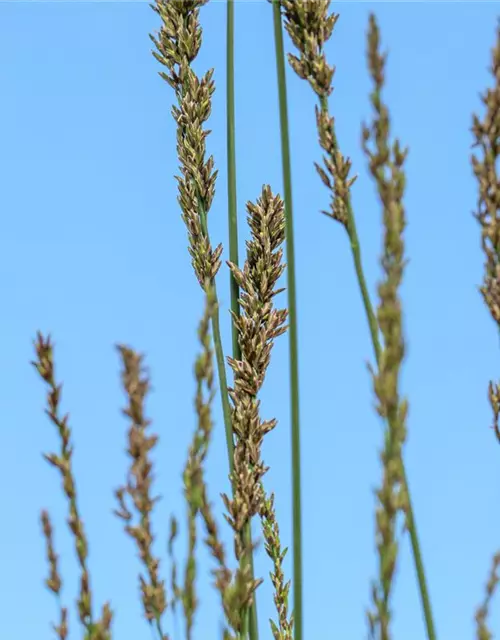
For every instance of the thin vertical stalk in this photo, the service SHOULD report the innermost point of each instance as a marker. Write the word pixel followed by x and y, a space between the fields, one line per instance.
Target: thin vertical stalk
pixel 221 368
pixel 219 354
pixel 231 175
pixel 233 249
pixel 375 338
pixel 293 341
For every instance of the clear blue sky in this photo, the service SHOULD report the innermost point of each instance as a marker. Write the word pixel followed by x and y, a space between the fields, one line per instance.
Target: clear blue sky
pixel 94 251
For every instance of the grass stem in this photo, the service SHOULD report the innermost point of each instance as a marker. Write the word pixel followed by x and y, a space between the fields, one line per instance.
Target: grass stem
pixel 221 368
pixel 233 246
pixel 375 337
pixel 293 338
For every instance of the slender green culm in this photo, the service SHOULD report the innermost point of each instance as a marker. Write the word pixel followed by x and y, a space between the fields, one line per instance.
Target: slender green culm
pixel 309 27
pixel 352 233
pixel 221 370
pixel 231 175
pixel 232 209
pixel 293 338
pixel 376 63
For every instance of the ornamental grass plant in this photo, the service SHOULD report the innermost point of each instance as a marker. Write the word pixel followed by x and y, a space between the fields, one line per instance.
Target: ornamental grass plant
pixel 263 310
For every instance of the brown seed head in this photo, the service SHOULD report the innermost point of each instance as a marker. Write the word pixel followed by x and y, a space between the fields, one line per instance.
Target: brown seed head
pixel 310 27
pixel 177 45
pixel 138 488
pixel 258 325
pixel 62 461
pixel 386 167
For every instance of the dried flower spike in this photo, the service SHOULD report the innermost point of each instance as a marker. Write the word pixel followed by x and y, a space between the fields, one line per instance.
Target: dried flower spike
pixel 95 630
pixel 177 45
pixel 310 27
pixel 194 484
pixel 138 488
pixel 284 629
pixel 386 167
pixel 487 137
pixel 257 327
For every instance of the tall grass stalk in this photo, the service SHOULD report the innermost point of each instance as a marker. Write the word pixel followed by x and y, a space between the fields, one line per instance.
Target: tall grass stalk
pixel 293 332
pixel 232 209
pixel 386 164
pixel 177 46
pixel 258 326
pixel 309 27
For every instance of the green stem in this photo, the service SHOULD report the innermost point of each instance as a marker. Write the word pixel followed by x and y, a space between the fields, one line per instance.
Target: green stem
pixel 375 336
pixel 251 620
pixel 231 175
pixel 293 341
pixel 221 367
pixel 219 352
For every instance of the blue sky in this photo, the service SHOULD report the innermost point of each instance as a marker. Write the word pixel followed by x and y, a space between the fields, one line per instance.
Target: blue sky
pixel 94 251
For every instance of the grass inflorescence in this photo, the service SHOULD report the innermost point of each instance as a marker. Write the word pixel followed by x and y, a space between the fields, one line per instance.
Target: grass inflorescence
pixel 255 324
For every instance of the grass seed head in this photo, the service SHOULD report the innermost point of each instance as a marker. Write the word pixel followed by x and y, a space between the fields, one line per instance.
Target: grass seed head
pixel 310 27
pixel 258 325
pixel 44 364
pixel 134 498
pixel 386 166
pixel 178 44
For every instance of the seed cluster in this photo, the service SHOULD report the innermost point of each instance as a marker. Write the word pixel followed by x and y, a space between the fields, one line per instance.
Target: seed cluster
pixel 258 326
pixel 178 44
pixel 310 27
pixel 386 166
pixel 487 137
pixel 94 629
pixel 137 490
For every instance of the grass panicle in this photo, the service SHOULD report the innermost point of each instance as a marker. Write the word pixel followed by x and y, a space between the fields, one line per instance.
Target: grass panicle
pixel 236 587
pixel 386 165
pixel 284 629
pixel 487 138
pixel 310 27
pixel 233 242
pixel 258 326
pixel 137 491
pixel 194 486
pixel 178 44
pixel 94 629
pixel 486 134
